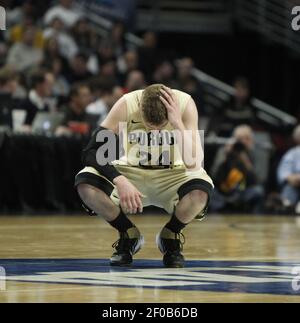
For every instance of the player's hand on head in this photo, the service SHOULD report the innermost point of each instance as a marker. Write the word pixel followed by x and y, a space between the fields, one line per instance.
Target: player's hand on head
pixel 130 196
pixel 170 101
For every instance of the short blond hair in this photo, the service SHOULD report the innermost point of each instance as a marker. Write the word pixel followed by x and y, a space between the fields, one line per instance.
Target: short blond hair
pixel 153 109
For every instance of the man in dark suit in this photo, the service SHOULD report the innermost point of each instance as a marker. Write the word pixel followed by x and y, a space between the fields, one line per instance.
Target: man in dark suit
pixel 41 88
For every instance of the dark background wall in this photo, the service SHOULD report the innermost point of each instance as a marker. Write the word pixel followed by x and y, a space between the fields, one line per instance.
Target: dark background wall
pixel 273 71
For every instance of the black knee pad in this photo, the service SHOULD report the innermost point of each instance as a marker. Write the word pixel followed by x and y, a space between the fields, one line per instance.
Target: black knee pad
pixel 197 184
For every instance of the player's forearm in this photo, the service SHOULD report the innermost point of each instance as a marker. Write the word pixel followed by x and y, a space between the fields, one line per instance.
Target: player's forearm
pixel 89 157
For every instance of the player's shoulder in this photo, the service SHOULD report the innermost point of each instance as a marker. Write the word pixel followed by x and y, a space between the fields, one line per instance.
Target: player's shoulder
pixel 183 99
pixel 133 94
pixel 180 93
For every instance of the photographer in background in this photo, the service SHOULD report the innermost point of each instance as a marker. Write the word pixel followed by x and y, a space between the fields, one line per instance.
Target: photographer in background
pixel 237 186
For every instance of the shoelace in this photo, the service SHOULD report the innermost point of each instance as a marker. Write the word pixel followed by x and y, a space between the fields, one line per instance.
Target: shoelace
pixel 175 245
pixel 181 238
pixel 123 243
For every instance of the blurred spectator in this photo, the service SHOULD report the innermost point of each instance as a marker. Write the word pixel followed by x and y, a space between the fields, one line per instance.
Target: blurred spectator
pixel 289 174
pixel 117 38
pixel 23 55
pixel 109 71
pixel 238 110
pixel 16 15
pixel 16 33
pixel 8 86
pixel 117 94
pixel 85 36
pixel 105 52
pixel 243 134
pixel 79 69
pixel 52 53
pixel 61 86
pixel 188 83
pixel 76 118
pixel 127 63
pixel 41 89
pixel 148 54
pixel 164 73
pixel 103 98
pixel 135 81
pixel 235 177
pixel 65 11
pixel 67 45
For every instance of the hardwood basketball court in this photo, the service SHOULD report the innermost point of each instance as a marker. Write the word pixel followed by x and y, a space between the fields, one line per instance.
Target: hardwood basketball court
pixel 229 259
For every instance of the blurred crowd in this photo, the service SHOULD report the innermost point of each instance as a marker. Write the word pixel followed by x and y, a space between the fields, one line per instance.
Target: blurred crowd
pixel 52 61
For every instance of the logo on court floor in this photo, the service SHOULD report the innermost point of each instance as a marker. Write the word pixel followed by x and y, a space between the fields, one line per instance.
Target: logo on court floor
pixel 2 278
pixel 296 279
pixel 216 276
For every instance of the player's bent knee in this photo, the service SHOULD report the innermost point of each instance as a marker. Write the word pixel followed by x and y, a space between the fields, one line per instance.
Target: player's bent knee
pixel 198 197
pixel 85 191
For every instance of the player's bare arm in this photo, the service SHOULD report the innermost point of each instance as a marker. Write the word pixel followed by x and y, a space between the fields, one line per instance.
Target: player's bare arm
pixel 130 197
pixel 187 121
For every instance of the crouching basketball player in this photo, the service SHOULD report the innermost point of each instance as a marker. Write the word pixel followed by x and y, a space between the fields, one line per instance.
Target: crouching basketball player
pixel 152 170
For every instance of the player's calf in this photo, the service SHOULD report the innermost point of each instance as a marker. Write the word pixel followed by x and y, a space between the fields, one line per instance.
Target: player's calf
pixel 96 202
pixel 170 240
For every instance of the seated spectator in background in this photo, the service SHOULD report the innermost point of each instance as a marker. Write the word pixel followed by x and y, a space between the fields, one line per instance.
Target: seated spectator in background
pixel 16 33
pixel 117 38
pixel 289 174
pixel 243 134
pixel 61 86
pixel 188 83
pixel 41 89
pixel 16 15
pixel 238 110
pixel 8 86
pixel 109 71
pixel 76 118
pixel 67 45
pixel 52 53
pixel 148 54
pixel 164 74
pixel 85 36
pixel 127 63
pixel 104 53
pixel 79 69
pixel 23 56
pixel 235 176
pixel 135 81
pixel 65 11
pixel 103 92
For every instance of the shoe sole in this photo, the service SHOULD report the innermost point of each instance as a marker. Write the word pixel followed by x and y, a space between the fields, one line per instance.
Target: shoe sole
pixel 139 245
pixel 157 240
pixel 174 265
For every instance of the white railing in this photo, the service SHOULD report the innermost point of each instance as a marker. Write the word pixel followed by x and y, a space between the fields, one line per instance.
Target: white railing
pixel 266 112
pixel 218 90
